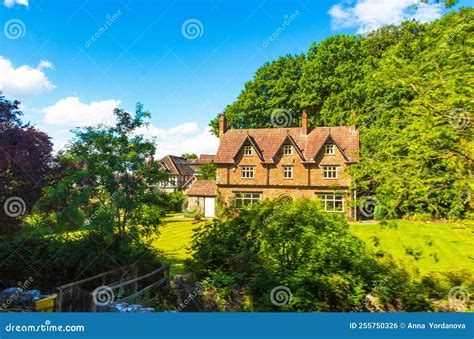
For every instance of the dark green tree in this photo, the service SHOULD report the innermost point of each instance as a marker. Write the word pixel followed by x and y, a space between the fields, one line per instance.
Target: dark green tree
pixel 207 171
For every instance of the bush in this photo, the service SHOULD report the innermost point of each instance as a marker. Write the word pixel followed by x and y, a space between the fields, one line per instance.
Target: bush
pixel 56 259
pixel 292 244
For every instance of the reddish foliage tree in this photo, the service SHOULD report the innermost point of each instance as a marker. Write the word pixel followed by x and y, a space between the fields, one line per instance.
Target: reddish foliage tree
pixel 26 162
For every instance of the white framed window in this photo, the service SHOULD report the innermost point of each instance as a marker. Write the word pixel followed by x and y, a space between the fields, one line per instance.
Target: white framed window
pixel 247 150
pixel 287 150
pixel 330 172
pixel 332 202
pixel 247 172
pixel 245 198
pixel 329 149
pixel 287 172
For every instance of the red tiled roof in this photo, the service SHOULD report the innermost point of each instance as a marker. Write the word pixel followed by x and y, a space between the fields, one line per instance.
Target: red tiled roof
pixel 203 159
pixel 202 188
pixel 270 139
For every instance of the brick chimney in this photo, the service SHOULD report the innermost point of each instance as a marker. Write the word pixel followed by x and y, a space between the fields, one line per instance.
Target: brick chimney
pixel 304 122
pixel 222 125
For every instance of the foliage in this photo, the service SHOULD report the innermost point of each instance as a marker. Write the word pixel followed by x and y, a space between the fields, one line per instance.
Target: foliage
pixel 409 90
pixel 56 259
pixel 189 156
pixel 295 244
pixel 26 163
pixel 172 202
pixel 109 182
pixel 274 87
pixel 313 253
pixel 208 171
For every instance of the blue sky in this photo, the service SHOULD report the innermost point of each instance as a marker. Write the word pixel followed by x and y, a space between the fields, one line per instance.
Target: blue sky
pixel 71 62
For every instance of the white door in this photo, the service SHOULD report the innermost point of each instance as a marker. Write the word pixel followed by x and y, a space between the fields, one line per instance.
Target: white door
pixel 209 207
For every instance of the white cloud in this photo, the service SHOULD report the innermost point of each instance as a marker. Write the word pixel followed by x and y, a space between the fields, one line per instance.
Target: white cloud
pixel 45 64
pixel 71 112
pixel 184 138
pixel 24 81
pixel 368 15
pixel 11 3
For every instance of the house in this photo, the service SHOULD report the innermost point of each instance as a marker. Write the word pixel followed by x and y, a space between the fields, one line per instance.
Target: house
pixel 180 174
pixel 202 195
pixel 297 162
pixel 196 164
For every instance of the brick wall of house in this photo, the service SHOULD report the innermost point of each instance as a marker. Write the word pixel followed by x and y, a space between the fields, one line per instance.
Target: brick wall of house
pixel 270 183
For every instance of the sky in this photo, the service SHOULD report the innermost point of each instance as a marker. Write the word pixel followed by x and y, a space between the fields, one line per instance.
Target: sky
pixel 72 62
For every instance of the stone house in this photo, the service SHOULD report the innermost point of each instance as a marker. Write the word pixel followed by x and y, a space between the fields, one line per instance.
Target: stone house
pixel 293 162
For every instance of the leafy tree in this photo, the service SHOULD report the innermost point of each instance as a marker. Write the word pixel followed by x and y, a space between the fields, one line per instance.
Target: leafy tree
pixel 26 165
pixel 208 171
pixel 189 156
pixel 272 90
pixel 110 181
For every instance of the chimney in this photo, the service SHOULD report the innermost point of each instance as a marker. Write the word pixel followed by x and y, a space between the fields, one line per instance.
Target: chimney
pixel 304 122
pixel 222 125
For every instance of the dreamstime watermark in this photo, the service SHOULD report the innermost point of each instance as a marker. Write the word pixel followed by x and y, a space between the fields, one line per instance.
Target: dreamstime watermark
pixel 192 29
pixel 197 291
pixel 103 296
pixel 23 286
pixel 459 118
pixel 14 207
pixel 280 296
pixel 458 296
pixel 376 288
pixel 369 26
pixel 14 29
pixel 287 20
pixel 46 327
pixel 109 21
pixel 281 117
pixel 367 206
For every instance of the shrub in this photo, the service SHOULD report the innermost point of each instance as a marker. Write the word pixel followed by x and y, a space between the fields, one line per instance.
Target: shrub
pixel 292 244
pixel 56 259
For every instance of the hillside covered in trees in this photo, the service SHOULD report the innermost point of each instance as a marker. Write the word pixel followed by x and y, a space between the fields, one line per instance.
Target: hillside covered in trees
pixel 408 88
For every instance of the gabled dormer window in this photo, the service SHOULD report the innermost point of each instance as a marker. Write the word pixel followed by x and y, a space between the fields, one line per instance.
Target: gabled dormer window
pixel 329 149
pixel 247 150
pixel 287 150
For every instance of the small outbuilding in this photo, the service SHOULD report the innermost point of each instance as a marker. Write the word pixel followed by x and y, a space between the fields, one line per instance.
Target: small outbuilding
pixel 202 194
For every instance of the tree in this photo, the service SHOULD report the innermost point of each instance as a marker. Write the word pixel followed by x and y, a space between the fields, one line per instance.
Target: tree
pixel 26 165
pixel 110 182
pixel 270 96
pixel 189 156
pixel 208 171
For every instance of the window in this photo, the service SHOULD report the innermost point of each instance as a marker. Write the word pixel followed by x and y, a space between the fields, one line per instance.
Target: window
pixel 288 172
pixel 329 149
pixel 332 202
pixel 247 150
pixel 246 198
pixel 330 172
pixel 287 150
pixel 247 172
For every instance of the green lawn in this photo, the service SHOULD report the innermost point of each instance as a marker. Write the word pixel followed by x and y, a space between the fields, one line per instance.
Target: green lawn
pixel 439 247
pixel 175 239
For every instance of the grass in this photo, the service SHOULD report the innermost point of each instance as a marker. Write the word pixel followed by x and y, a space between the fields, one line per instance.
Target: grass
pixel 175 239
pixel 422 246
pixel 418 246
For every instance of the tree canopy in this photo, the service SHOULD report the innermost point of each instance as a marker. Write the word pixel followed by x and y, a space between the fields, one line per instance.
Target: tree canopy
pixel 26 165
